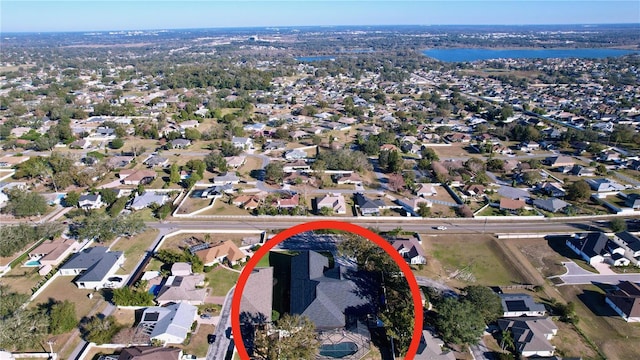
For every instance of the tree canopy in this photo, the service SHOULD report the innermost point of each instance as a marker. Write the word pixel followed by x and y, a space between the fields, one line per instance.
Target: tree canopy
pixel 298 340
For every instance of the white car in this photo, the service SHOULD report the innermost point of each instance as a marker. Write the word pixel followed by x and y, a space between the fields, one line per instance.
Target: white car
pixel 441 227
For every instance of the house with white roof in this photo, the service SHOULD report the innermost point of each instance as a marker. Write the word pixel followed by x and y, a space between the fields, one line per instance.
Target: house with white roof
pixel 169 324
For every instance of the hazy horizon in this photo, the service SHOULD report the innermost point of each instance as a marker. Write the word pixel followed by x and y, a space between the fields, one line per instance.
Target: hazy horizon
pixel 144 15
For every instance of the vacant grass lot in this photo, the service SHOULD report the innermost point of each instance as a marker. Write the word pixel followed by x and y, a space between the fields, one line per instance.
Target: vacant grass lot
pixel 62 289
pixel 463 260
pixel 21 279
pixel 221 280
pixel 134 248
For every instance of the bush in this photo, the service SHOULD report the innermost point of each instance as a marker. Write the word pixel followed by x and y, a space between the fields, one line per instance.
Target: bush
pixel 129 297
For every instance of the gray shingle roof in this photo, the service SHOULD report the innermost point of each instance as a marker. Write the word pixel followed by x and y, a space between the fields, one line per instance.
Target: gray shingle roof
pixel 96 263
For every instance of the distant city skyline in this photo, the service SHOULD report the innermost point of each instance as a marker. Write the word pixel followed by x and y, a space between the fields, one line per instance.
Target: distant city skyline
pixel 114 15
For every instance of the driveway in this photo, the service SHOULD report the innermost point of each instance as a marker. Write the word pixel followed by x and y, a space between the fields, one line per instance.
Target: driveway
pixel 576 275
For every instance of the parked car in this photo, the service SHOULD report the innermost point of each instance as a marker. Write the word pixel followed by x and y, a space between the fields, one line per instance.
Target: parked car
pixel 441 227
pixel 115 279
pixel 211 338
pixel 205 316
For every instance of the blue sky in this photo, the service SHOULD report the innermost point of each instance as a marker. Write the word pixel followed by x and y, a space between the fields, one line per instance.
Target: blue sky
pixel 90 15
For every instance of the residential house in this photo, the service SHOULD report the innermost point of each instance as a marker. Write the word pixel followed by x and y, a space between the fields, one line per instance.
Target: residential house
pixel 224 252
pixel 426 190
pixel 554 189
pixel 411 206
pixel 604 185
pixel 94 266
pixel 257 297
pixel 296 165
pixel 328 297
pixel 217 191
pixel 558 161
pixel 180 143
pixel 529 146
pixel 431 348
pixel 368 206
pixel 149 197
pixel 295 154
pixel 156 161
pixel 168 324
pixel 411 250
pixel 274 145
pixel 513 193
pixel 511 204
pixel 625 300
pixel 117 162
pixel 579 170
pixel 473 189
pixel 182 288
pixel 551 204
pixel 242 142
pixel 629 242
pixel 632 201
pixel 190 124
pixel 335 202
pixel 226 178
pixel 351 178
pixel 80 144
pixel 50 253
pixel 530 335
pixel 592 247
pixel 389 147
pixel 90 201
pixel 137 177
pixel 514 305
pixel 459 137
pixel 288 202
pixel 248 202
pixel 235 162
pixel 150 353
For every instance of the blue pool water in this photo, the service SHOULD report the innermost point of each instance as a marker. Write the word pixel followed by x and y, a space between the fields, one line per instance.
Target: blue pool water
pixel 32 263
pixel 155 289
pixel 339 350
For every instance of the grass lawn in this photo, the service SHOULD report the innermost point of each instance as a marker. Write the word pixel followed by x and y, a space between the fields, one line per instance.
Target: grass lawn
pixel 125 317
pixel 250 163
pixel 468 260
pixel 96 352
pixel 455 150
pixel 62 289
pixel 21 279
pixel 222 208
pixel 600 323
pixel 264 261
pixel 192 204
pixel 198 344
pixel 221 281
pixel 134 248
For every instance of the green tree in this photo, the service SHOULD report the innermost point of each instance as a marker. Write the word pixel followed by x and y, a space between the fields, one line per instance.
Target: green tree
pixel 99 329
pixel 102 227
pixel 72 199
pixel 62 317
pixel 274 172
pixel 618 225
pixel 109 196
pixel 458 322
pixel 116 143
pixel 578 190
pixel 22 204
pixel 424 210
pixel 486 302
pixel 192 134
pixel 299 341
pixel 127 296
pixel 174 176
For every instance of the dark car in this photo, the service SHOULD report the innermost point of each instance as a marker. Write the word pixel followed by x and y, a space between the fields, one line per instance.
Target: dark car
pixel 211 338
pixel 115 279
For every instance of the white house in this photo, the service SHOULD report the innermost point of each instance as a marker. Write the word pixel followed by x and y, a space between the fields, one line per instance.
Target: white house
pixel 169 324
pixel 94 266
pixel 514 305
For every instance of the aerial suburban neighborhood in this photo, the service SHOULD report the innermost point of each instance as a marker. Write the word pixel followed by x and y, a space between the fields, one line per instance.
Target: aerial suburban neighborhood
pixel 140 172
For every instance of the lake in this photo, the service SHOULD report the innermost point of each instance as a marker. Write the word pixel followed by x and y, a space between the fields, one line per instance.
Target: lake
pixel 315 58
pixel 461 55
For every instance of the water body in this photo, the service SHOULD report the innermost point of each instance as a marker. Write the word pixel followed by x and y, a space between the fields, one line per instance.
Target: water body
pixel 461 55
pixel 315 58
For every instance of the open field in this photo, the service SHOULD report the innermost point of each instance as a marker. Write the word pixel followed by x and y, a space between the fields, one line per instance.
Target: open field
pixel 223 208
pixel 134 248
pixel 221 280
pixel 461 261
pixel 541 255
pixel 455 150
pixel 192 204
pixel 181 241
pixel 62 289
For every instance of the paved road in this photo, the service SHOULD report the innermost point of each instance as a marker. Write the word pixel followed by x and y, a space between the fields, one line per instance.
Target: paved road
pixel 425 226
pixel 218 350
pixel 576 275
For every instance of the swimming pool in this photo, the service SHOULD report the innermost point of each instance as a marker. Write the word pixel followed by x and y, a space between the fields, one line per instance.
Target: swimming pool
pixel 154 290
pixel 32 263
pixel 339 350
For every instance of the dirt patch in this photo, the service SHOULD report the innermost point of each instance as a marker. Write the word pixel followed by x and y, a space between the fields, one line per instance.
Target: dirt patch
pixel 540 254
